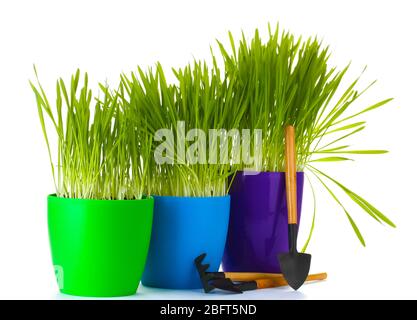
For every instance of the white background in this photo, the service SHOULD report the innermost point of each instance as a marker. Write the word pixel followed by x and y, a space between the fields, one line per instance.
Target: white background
pixel 108 37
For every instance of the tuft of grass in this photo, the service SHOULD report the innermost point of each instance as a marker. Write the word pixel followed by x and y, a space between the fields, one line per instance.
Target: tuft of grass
pixel 287 80
pixel 201 100
pixel 98 153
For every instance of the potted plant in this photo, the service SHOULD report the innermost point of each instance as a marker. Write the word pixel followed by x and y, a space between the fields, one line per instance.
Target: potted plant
pixel 191 196
pixel 287 81
pixel 100 217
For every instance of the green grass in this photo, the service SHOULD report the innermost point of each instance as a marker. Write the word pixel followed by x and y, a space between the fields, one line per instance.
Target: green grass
pixel 288 81
pixel 201 99
pixel 98 153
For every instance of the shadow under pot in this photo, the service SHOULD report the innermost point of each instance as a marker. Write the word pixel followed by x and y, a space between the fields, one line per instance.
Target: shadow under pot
pixel 258 227
pixel 99 247
pixel 183 228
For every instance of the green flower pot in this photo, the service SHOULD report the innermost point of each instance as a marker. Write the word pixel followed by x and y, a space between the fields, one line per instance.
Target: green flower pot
pixel 99 247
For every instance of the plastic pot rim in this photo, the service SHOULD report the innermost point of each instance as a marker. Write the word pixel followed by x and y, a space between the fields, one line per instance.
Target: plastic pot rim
pixel 54 196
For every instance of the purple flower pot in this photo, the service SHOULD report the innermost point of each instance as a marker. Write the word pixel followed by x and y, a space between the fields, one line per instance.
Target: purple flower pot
pixel 258 222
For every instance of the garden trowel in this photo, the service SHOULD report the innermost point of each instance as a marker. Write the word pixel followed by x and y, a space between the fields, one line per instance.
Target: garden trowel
pixel 294 265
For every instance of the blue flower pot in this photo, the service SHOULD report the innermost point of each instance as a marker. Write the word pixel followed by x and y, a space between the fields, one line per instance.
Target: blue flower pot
pixel 183 228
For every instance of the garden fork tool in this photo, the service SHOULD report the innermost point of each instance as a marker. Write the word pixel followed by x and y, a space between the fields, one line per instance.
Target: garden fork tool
pixel 242 281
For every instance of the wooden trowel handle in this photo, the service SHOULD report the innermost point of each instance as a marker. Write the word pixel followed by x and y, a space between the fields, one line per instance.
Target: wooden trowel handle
pixel 280 281
pixel 291 174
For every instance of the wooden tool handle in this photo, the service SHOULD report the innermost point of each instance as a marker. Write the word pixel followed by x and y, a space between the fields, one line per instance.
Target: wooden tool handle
pixel 270 283
pixel 291 174
pixel 250 276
